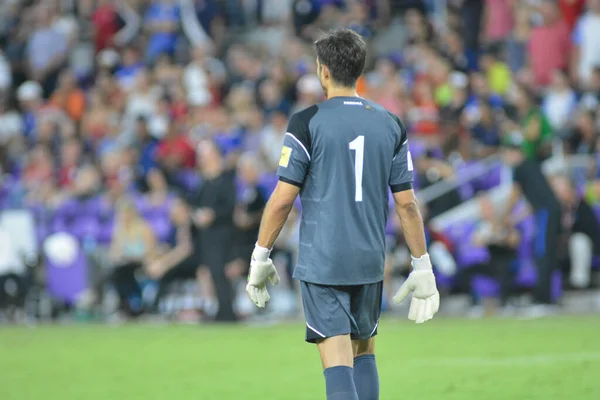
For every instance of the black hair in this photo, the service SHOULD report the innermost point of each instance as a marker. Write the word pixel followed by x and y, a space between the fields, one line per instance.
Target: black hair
pixel 344 52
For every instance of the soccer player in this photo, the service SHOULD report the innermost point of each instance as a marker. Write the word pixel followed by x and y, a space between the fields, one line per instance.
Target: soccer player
pixel 342 156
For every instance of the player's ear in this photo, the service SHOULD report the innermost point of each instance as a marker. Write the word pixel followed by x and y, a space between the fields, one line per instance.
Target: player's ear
pixel 325 72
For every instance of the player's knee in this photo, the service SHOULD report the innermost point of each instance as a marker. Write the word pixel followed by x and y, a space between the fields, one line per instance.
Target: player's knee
pixel 363 347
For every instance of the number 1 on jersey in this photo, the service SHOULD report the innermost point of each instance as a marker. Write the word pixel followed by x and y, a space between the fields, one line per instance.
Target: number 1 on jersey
pixel 358 145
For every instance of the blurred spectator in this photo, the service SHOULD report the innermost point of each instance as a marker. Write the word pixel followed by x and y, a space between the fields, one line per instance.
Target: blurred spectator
pixel 247 215
pixel 572 9
pixel 497 73
pixel 584 136
pixel 147 147
pixel 498 20
pixel 591 98
pixel 12 279
pixel 424 116
pixel 161 21
pixel 309 92
pixel 133 246
pixel 587 45
pixel 560 101
pixel 68 96
pixel 174 152
pixel 115 23
pixel 549 45
pixel 583 229
pixel 502 243
pixel 431 170
pixel 158 195
pixel 29 95
pixel 471 12
pixel 196 80
pixel 143 97
pixel 227 136
pixel 39 168
pixel 106 23
pixel 87 183
pixel 96 120
pixel 183 260
pixel 167 75
pixel 11 124
pixel 46 50
pixel 130 67
pixel 518 40
pixel 272 140
pixel 536 129
pixel 486 132
pixel 70 160
pixel 212 209
pixel 533 185
pixel 5 73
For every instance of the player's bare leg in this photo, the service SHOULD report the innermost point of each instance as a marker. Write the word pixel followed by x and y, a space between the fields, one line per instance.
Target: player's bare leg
pixel 337 357
pixel 366 378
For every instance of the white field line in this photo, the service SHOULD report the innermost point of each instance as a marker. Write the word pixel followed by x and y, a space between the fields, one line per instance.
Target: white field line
pixel 539 359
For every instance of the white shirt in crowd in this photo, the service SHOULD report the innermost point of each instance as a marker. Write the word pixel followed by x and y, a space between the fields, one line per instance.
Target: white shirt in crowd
pixel 5 73
pixel 9 258
pixel 587 37
pixel 559 107
pixel 195 80
pixel 11 125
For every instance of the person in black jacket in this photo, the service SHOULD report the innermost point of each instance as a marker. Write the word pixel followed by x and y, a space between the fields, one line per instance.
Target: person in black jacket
pixel 213 206
pixel 530 182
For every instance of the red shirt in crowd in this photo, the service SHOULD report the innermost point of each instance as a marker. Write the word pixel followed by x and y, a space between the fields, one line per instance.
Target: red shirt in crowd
pixel 499 19
pixel 177 148
pixel 66 175
pixel 106 24
pixel 549 49
pixel 571 10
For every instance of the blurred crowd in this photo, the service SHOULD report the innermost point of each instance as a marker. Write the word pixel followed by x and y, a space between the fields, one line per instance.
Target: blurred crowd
pixel 153 128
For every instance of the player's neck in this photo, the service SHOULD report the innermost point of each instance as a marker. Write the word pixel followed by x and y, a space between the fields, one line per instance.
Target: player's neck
pixel 341 92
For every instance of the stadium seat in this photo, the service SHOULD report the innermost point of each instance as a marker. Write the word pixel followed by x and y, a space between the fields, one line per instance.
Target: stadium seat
pixel 66 268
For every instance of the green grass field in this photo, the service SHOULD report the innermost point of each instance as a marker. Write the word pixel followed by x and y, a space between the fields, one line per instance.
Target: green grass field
pixel 445 359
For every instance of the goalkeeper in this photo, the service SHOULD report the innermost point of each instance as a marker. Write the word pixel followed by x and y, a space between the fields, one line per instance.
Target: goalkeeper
pixel 343 156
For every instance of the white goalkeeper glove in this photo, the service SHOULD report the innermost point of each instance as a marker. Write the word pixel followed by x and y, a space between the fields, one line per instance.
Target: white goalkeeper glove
pixel 425 296
pixel 261 270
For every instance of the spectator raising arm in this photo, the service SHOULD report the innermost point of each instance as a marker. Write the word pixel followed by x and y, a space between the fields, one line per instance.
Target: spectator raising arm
pixel 132 24
pixel 192 27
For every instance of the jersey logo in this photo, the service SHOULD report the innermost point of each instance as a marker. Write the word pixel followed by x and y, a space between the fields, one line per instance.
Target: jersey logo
pixel 409 161
pixel 353 103
pixel 284 160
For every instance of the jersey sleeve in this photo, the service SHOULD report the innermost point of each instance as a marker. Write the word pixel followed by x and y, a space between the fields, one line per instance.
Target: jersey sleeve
pixel 401 177
pixel 296 152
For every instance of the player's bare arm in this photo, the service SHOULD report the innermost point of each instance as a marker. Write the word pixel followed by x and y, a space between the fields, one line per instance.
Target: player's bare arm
pixel 276 213
pixel 421 282
pixel 261 266
pixel 411 221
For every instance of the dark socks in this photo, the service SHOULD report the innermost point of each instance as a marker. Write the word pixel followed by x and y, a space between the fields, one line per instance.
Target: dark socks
pixel 339 383
pixel 366 378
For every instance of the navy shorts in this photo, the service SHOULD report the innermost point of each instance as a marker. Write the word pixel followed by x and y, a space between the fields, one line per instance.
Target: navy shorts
pixel 341 310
